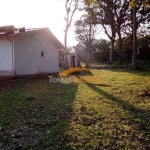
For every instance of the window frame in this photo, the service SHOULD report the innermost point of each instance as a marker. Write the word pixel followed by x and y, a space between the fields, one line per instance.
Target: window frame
pixel 42 54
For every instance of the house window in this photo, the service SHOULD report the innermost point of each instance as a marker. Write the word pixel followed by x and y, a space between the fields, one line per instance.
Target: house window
pixel 0 53
pixel 42 54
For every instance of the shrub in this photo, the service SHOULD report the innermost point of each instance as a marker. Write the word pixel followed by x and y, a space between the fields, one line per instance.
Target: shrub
pixel 10 30
pixel 22 29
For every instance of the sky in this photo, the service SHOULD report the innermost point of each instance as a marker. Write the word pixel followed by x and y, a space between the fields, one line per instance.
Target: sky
pixel 38 14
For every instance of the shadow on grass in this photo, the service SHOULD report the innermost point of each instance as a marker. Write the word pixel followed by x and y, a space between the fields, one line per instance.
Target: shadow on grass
pixel 140 117
pixel 82 73
pixel 124 104
pixel 35 114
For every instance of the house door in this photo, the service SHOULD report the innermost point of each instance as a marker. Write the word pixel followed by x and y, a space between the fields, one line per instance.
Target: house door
pixel 73 61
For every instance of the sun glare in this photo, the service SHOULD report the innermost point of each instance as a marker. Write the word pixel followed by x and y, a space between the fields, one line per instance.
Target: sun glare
pixel 37 14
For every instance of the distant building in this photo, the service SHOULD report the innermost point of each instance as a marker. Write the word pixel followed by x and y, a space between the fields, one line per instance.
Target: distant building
pixel 71 60
pixel 62 53
pixel 78 48
pixel 72 50
pixel 81 51
pixel 28 52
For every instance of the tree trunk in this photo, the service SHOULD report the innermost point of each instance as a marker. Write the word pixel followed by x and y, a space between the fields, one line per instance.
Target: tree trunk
pixel 120 47
pixel 65 38
pixel 88 54
pixel 88 58
pixel 89 46
pixel 134 41
pixel 111 51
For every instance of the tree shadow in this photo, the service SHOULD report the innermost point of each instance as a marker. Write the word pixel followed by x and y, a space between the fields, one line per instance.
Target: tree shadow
pixel 6 83
pixel 38 111
pixel 82 73
pixel 124 104
pixel 139 116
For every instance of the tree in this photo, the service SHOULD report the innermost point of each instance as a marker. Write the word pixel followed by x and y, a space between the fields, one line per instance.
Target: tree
pixel 134 4
pixel 110 16
pixel 121 14
pixel 116 18
pixel 85 33
pixel 106 17
pixel 101 45
pixel 143 41
pixel 71 6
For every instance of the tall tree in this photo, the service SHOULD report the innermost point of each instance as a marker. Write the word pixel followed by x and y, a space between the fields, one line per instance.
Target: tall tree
pixel 115 17
pixel 121 14
pixel 101 45
pixel 71 6
pixel 136 5
pixel 106 17
pixel 105 14
pixel 85 33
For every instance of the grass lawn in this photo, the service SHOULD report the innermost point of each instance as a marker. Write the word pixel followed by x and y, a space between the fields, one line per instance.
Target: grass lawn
pixel 111 110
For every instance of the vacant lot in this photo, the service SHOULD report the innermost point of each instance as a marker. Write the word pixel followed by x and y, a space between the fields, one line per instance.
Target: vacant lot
pixel 112 111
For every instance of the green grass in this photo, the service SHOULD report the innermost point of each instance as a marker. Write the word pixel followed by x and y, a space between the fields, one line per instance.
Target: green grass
pixel 111 113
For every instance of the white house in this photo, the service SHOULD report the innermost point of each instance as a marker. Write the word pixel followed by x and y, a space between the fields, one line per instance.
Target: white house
pixel 29 52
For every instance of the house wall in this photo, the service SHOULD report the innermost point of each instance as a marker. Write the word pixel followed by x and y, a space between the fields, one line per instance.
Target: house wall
pixel 68 61
pixel 77 64
pixel 6 53
pixel 28 58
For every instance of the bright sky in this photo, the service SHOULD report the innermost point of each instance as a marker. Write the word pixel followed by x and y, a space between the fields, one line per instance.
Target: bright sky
pixel 36 14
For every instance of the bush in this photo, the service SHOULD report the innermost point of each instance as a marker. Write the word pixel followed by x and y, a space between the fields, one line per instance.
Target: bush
pixel 10 30
pixel 22 29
